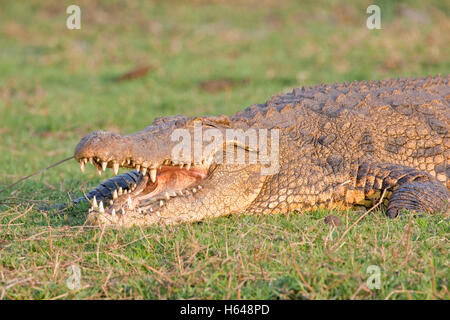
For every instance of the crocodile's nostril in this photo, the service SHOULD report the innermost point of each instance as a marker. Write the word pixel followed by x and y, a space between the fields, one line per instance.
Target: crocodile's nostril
pixel 103 145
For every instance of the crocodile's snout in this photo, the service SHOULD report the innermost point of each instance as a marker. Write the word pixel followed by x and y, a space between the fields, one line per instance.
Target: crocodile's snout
pixel 102 145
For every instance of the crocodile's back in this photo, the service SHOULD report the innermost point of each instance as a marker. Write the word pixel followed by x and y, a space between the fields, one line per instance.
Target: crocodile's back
pixel 404 121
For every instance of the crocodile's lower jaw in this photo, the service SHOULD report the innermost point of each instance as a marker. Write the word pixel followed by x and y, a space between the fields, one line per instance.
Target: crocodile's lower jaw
pixel 140 199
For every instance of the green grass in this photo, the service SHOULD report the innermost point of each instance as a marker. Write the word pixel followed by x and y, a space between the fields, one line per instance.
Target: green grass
pixel 56 86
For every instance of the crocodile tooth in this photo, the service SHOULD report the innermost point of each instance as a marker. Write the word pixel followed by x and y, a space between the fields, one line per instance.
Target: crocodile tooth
pixel 101 209
pixel 104 163
pixel 188 166
pixel 153 175
pixel 161 203
pixel 173 194
pixel 130 203
pixel 181 165
pixel 116 168
pixel 144 171
pixel 120 191
pixel 115 195
pixel 113 212
pixel 99 172
pixel 82 166
pixel 194 190
pixel 139 210
pixel 199 187
pixel 138 167
pixel 94 202
pixel 167 196
pixel 111 202
pixel 180 192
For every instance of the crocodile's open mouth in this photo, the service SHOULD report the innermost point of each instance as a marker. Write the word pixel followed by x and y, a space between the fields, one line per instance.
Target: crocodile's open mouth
pixel 155 185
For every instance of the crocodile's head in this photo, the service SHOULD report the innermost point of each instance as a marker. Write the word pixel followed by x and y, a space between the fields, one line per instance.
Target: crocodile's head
pixel 178 183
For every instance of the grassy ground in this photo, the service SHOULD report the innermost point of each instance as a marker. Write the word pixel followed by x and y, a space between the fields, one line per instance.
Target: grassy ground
pixel 206 57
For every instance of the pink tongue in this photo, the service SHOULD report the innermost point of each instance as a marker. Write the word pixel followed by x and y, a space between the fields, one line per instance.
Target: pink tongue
pixel 172 179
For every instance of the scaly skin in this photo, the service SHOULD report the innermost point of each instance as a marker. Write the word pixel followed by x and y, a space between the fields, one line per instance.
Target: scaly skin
pixel 340 145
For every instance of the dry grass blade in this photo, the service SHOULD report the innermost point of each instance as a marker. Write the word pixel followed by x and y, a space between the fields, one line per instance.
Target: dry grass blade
pixel 34 173
pixel 360 218
pixel 137 72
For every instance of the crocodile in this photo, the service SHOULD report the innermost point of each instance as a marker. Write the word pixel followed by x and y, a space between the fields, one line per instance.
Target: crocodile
pixel 338 146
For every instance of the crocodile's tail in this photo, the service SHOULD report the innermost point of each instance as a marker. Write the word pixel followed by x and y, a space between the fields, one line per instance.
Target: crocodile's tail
pixel 104 190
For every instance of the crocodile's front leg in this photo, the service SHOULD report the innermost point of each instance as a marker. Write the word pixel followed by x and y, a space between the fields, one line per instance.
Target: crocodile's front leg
pixel 407 188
